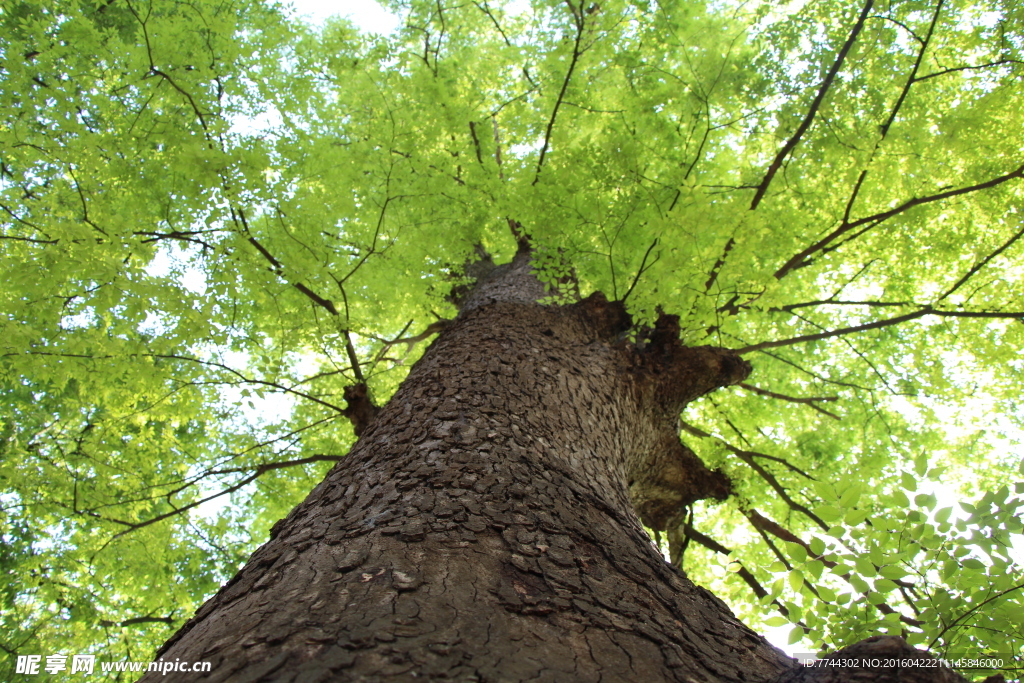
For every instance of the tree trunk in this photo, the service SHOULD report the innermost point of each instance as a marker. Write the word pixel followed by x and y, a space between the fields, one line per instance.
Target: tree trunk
pixel 485 526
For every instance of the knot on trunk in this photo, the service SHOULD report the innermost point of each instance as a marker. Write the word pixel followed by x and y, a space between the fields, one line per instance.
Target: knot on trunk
pixel 360 409
pixel 667 376
pixel 606 319
pixel 678 374
pixel 672 479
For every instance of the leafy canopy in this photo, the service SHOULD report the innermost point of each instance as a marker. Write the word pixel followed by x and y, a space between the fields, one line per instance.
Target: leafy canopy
pixel 215 218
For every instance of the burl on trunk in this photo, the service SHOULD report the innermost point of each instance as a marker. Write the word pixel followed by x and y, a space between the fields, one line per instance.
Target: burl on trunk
pixel 486 526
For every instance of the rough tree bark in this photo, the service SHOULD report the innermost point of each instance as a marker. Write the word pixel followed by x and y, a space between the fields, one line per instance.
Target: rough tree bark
pixel 485 526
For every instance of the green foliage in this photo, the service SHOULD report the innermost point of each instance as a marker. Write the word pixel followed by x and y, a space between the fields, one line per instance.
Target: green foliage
pixel 214 219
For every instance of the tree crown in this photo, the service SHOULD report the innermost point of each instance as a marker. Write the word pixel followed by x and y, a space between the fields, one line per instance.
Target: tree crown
pixel 215 219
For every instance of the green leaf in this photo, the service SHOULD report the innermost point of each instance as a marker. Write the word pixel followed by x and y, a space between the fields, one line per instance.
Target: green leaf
pixel 829 513
pixel 921 465
pixel 825 491
pixel 864 567
pixel 855 517
pixel 797 552
pixel 851 495
pixel 892 571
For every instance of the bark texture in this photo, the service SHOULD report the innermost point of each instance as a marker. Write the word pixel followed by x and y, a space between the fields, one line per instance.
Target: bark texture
pixel 484 527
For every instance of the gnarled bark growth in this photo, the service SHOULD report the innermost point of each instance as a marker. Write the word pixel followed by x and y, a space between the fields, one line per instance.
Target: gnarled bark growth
pixel 483 527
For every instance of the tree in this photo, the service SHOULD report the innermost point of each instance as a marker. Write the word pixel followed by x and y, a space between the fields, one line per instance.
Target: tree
pixel 207 207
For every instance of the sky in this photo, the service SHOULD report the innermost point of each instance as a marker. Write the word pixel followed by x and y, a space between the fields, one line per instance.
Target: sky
pixel 366 14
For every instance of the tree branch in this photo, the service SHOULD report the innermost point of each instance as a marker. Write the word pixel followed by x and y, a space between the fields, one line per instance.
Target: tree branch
pixel 809 118
pixel 878 324
pixel 719 263
pixel 747 457
pixel 981 264
pixel 487 10
pixel 972 610
pixel 248 380
pixel 278 268
pixel 138 620
pixel 895 110
pixel 810 401
pixel 965 68
pixel 643 267
pixel 259 471
pixel 766 525
pixel 872 221
pixel 743 573
pixel 576 52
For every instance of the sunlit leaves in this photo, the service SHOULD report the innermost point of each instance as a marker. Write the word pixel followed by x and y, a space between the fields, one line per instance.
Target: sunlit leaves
pixel 956 564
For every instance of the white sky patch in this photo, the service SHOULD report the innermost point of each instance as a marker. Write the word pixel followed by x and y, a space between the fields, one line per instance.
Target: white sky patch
pixel 173 260
pixel 516 7
pixel 367 15
pixel 779 637
pixel 521 150
pixel 263 123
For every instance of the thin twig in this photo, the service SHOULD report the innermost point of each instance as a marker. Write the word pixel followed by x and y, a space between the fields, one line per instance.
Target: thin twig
pixel 576 52
pixel 643 267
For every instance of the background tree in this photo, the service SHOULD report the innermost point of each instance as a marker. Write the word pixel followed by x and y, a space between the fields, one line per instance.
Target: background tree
pixel 215 220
